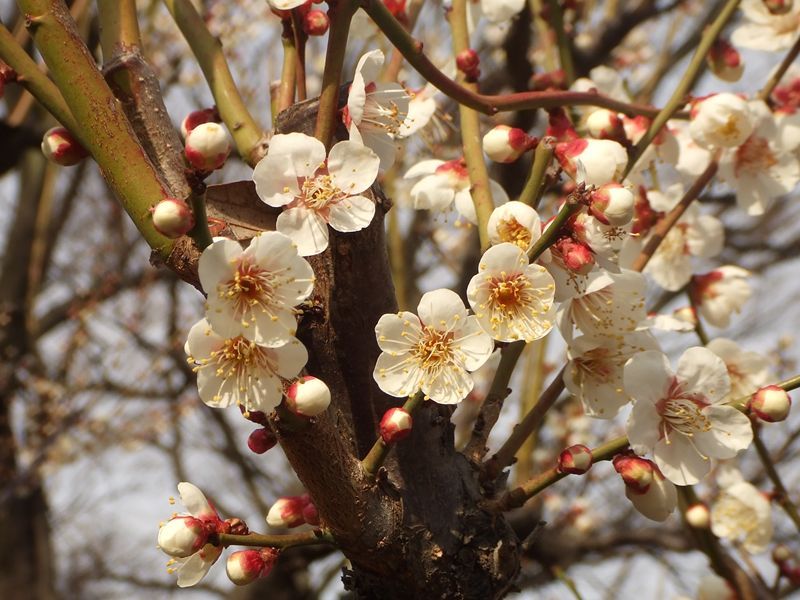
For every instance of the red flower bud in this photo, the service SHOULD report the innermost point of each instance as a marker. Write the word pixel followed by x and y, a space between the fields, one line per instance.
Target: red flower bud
pixel 468 63
pixel 287 512
pixel 576 460
pixel 316 22
pixel 246 566
pixel 198 117
pixel 261 440
pixel 395 425
pixel 61 147
pixel 577 256
pixel 725 61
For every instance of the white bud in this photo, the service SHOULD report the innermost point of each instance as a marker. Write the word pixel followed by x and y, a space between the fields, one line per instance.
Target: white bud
pixel 698 516
pixel 172 218
pixel 207 147
pixel 308 397
pixel 182 536
pixel 505 144
pixel 60 147
pixel 395 425
pixel 245 566
pixel 613 205
pixel 603 123
pixel 771 404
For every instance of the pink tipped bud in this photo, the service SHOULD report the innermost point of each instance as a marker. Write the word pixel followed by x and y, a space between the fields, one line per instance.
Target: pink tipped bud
pixel 316 22
pixel 605 124
pixel 637 473
pixel 310 513
pixel 575 460
pixel 395 425
pixel 198 117
pixel 61 147
pixel 308 397
pixel 245 566
pixel 778 7
pixel 182 536
pixel 172 218
pixel 771 404
pixel 287 512
pixel 468 62
pixel 698 516
pixel 207 147
pixel 261 440
pixel 781 554
pixel 577 256
pixel 724 61
pixel 506 144
pixel 612 205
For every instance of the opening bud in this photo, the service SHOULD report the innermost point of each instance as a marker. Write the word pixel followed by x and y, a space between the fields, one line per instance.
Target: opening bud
pixel 637 473
pixel 724 61
pixel 245 566
pixel 612 205
pixel 575 460
pixel 261 440
pixel 602 160
pixel 654 496
pixel 469 63
pixel 308 397
pixel 182 536
pixel 698 516
pixel 60 146
pixel 506 144
pixel 605 124
pixel 395 425
pixel 287 512
pixel 172 218
pixel 316 22
pixel 771 404
pixel 310 513
pixel 198 117
pixel 207 147
pixel 577 256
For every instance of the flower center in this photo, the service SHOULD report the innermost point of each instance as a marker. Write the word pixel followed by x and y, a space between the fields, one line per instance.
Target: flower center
pixel 730 130
pixel 251 288
pixel 435 348
pixel 513 301
pixel 511 230
pixel 684 415
pixel 596 364
pixel 753 157
pixel 383 114
pixel 320 191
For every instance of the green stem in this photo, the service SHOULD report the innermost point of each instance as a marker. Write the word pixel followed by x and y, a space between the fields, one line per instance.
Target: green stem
pixel 380 449
pixel 562 41
pixel 306 538
pixel 341 14
pixel 679 95
pixel 553 231
pixel 776 77
pixel 286 89
pixel 782 496
pixel 300 39
pixel 247 134
pixel 118 25
pixel 534 186
pixel 200 232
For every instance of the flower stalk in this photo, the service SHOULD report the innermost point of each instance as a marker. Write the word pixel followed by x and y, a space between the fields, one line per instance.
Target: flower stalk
pixel 380 449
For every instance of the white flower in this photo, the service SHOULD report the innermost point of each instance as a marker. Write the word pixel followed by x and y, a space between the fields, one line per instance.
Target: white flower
pixel 602 161
pixel 693 158
pixel 515 222
pixel 747 371
pixel 498 11
pixel 594 371
pixel 252 291
pixel 316 191
pixel 760 169
pixel 649 491
pixel 720 293
pixel 432 352
pixel 421 108
pixel 721 121
pixel 375 111
pixel 741 512
pixel 239 371
pixel 513 300
pixel 680 417
pixel 764 30
pixel 192 566
pixel 444 183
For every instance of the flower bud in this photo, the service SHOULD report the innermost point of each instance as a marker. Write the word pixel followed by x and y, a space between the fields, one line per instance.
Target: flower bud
pixel 781 554
pixel 604 124
pixel 316 22
pixel 261 440
pixel 771 404
pixel 207 147
pixel 245 566
pixel 198 117
pixel 395 425
pixel 468 63
pixel 236 526
pixel 310 513
pixel 778 7
pixel 506 144
pixel 550 80
pixel 724 61
pixel 60 147
pixel 397 8
pixel 286 512
pixel 698 516
pixel 575 460
pixel 308 397
pixel 720 121
pixel 577 256
pixel 172 218
pixel 612 205
pixel 602 160
pixel 182 536
pixel 637 473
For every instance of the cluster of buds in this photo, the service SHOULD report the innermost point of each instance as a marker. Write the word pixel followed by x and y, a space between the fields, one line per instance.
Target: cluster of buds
pixel 646 487
pixel 469 63
pixel 771 403
pixel 395 425
pixel 246 566
pixel 293 511
pixel 575 460
pixel 724 61
pixel 506 144
pixel 62 148
pixel 172 217
pixel 308 397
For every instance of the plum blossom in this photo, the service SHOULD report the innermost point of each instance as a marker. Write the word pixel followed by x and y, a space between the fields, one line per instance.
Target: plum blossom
pixel 764 30
pixel 515 222
pixel 681 417
pixel 721 121
pixel 444 183
pixel 495 11
pixel 512 300
pixel 747 371
pixel 316 190
pixel 741 512
pixel 720 293
pixel 600 161
pixel 594 372
pixel 185 537
pixel 252 291
pixel 693 158
pixel 375 111
pixel 653 495
pixel 433 352
pixel 239 371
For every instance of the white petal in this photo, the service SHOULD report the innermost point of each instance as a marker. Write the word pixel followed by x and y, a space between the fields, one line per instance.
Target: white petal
pixel 424 167
pixel 353 167
pixel 218 263
pixel 476 345
pixel 702 372
pixel 450 386
pixel 202 340
pixel 276 180
pixel 306 228
pixel 306 153
pixel 291 358
pixel 197 565
pixel 648 377
pixel 679 461
pixel 441 307
pixel 433 192
pixel 643 427
pixel 730 432
pixel 351 214
pixel 397 333
pixel 398 376
pixel 195 501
